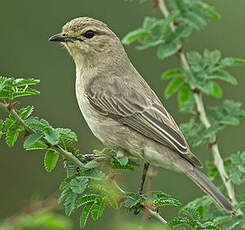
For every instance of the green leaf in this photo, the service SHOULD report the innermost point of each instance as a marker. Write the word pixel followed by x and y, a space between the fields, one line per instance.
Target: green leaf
pixel 123 160
pixel 184 95
pixel 222 75
pixel 87 198
pixel 167 49
pixel 98 208
pixel 91 164
pixel 85 214
pixel 195 61
pixel 211 57
pixel 173 73
pixel 173 86
pixel 37 146
pixel 237 61
pixel 37 124
pixel 66 134
pixel 134 35
pixel 217 91
pixel 32 140
pixel 51 159
pixel 25 82
pixel 78 184
pixel 194 20
pixel 93 174
pixel 24 113
pixel 52 136
pixel 11 137
pixel 63 195
pixel 179 33
pixel 70 203
pixel 149 23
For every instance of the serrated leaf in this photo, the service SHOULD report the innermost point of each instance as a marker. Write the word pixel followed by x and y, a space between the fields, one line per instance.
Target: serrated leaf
pixel 122 160
pixel 78 184
pixel 98 208
pixel 11 137
pixel 211 57
pixel 25 92
pixel 167 49
pixel 63 195
pixel 67 134
pixel 179 33
pixel 37 124
pixel 24 113
pixel 217 91
pixel 50 159
pixel 194 20
pixel 173 86
pixel 172 73
pixel 185 94
pixel 87 198
pixel 26 82
pixel 37 146
pixel 195 61
pixel 52 136
pixel 85 214
pixel 134 35
pixel 70 202
pixel 224 76
pixel 94 174
pixel 231 225
pixel 91 164
pixel 237 61
pixel 32 140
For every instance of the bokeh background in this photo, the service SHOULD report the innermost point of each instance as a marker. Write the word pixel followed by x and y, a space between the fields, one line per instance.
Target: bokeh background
pixel 25 27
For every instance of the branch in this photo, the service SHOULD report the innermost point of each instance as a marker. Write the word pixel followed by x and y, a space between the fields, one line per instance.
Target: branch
pixel 10 109
pixel 218 161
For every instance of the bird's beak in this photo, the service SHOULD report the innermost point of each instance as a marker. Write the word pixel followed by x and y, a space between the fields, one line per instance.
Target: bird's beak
pixel 59 38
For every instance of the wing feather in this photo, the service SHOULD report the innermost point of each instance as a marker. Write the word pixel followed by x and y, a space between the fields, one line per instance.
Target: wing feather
pixel 145 116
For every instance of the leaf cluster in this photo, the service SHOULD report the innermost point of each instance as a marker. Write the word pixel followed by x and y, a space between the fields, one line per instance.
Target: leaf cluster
pixel 202 77
pixel 185 16
pixel 11 88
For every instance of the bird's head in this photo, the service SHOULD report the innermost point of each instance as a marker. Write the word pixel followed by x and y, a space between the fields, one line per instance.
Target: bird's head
pixel 88 40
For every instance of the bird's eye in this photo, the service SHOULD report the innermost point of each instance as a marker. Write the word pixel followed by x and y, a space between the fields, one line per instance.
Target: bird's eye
pixel 89 34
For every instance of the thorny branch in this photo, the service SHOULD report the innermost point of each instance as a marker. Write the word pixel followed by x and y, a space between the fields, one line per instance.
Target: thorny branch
pixel 218 161
pixel 10 109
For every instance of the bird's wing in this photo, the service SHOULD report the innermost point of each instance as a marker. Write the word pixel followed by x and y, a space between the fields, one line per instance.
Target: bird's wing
pixel 140 110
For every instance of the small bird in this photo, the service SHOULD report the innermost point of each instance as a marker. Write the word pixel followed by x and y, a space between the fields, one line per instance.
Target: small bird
pixel 121 109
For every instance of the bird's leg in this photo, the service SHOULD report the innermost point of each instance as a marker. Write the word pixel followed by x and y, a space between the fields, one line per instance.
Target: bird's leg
pixel 146 166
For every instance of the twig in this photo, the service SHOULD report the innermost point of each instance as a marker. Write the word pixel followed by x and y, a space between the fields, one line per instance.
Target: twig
pixel 58 148
pixel 153 213
pixel 156 215
pixel 50 204
pixel 150 175
pixel 218 161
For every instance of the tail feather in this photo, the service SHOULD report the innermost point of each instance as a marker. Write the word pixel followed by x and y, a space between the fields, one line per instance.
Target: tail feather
pixel 207 186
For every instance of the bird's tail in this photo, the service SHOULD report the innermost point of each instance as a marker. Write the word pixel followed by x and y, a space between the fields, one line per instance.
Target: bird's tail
pixel 208 187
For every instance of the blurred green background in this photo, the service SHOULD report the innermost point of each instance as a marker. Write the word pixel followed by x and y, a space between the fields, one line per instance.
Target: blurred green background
pixel 25 27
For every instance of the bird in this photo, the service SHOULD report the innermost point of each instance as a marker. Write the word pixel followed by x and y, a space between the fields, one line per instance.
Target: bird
pixel 122 110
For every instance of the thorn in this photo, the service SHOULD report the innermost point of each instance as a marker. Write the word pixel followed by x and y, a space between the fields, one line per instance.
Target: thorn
pixel 210 145
pixel 196 91
pixel 155 4
pixel 176 23
pixel 12 105
pixel 113 175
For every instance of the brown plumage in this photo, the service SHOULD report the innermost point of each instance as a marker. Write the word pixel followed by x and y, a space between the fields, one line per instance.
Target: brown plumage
pixel 120 107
